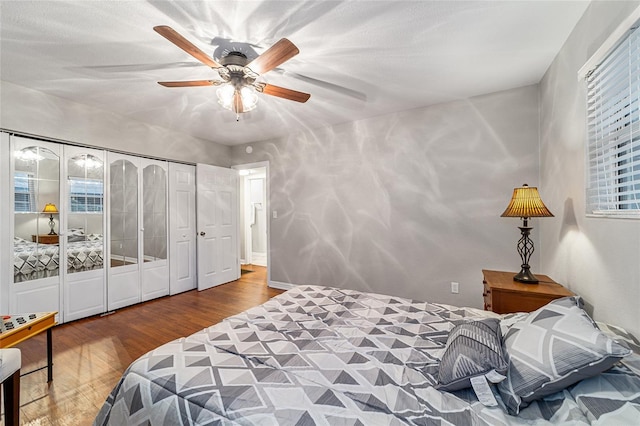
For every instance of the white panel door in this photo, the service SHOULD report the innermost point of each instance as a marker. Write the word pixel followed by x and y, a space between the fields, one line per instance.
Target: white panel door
pixel 182 228
pixel 217 212
pixel 83 271
pixel 155 235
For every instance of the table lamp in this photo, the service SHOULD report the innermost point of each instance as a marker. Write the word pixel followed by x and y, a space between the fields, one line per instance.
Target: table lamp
pixel 51 209
pixel 526 203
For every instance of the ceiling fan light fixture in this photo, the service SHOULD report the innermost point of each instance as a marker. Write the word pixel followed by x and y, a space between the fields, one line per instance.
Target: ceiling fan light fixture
pixel 226 96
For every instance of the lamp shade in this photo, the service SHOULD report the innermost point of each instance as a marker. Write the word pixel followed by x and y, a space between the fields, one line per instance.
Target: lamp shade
pixel 50 208
pixel 526 202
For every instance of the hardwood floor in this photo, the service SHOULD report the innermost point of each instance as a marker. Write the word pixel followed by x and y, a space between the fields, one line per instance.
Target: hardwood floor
pixel 91 354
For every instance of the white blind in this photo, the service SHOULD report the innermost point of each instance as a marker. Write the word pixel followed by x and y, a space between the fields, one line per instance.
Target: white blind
pixel 613 120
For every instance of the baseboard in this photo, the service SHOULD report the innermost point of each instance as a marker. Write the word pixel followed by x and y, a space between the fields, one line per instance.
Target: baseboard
pixel 259 259
pixel 280 285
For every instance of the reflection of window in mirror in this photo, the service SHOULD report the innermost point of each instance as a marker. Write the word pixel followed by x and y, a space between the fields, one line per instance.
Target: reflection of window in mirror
pixel 24 192
pixel 86 195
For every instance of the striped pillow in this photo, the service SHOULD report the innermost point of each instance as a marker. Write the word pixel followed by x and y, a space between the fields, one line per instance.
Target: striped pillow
pixel 473 349
pixel 552 348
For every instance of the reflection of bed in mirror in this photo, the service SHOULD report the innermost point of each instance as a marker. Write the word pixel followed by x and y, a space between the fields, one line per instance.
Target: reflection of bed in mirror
pixel 34 261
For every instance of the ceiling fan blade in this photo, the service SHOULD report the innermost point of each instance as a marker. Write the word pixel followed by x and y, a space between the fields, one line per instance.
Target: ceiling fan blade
pixel 238 106
pixel 280 52
pixel 281 92
pixel 184 44
pixel 190 83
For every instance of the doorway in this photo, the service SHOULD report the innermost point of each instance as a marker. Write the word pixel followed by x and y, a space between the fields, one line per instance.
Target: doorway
pixel 254 216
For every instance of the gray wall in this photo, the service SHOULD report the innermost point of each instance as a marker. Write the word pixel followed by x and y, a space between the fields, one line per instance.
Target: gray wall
pixel 34 112
pixel 597 258
pixel 403 203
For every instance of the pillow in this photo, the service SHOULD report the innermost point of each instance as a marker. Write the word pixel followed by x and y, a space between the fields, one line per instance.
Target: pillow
pixel 94 237
pixel 18 240
pixel 75 234
pixel 473 349
pixel 552 348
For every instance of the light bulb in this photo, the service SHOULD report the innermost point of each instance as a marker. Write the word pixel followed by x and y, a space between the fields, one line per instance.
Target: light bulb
pixel 225 96
pixel 249 98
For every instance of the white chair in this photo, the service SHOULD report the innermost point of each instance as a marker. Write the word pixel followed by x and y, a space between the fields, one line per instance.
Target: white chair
pixel 10 363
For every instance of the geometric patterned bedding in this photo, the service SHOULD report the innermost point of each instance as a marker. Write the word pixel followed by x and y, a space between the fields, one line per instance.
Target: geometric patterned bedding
pixel 84 255
pixel 33 261
pixel 325 356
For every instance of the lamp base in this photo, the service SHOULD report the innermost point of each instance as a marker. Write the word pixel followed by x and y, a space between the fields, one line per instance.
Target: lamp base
pixel 525 276
pixel 51 225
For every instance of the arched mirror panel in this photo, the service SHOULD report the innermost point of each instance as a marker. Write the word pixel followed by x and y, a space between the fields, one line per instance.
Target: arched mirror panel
pixel 124 213
pixel 85 210
pixel 154 213
pixel 36 223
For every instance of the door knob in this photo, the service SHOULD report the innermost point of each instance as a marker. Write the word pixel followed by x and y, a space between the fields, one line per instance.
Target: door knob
pixel 202 234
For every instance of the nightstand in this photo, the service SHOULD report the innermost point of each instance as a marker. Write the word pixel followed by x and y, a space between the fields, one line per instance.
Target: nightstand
pixel 45 239
pixel 503 295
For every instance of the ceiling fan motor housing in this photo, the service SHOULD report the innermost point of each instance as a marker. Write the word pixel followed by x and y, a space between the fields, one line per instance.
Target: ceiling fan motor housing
pixel 235 71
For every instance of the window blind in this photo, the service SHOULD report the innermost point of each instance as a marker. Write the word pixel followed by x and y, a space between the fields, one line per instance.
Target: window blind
pixel 613 120
pixel 86 195
pixel 24 192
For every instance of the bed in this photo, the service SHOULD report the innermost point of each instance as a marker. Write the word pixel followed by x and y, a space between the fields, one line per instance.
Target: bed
pixel 325 356
pixel 32 261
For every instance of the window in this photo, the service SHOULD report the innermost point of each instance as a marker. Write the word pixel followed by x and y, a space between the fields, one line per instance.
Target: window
pixel 24 192
pixel 86 195
pixel 613 119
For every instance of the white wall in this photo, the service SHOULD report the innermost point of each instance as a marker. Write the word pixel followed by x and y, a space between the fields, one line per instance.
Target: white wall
pixel 403 203
pixel 34 112
pixel 596 258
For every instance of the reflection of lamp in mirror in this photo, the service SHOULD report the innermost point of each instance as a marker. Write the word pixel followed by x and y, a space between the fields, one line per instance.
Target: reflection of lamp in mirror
pixel 526 203
pixel 51 209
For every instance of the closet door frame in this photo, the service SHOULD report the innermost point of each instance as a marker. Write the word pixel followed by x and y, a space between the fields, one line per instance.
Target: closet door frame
pixel 85 292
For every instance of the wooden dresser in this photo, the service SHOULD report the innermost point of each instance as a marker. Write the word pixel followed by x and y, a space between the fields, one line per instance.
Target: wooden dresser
pixel 503 295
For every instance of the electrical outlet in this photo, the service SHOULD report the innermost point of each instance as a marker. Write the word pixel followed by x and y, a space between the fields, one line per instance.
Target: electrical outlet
pixel 455 287
pixel 275 214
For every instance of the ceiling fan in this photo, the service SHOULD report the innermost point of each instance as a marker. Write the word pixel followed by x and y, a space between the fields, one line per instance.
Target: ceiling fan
pixel 238 76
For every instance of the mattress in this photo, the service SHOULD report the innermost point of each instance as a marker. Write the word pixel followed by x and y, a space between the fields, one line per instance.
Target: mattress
pixel 324 356
pixel 33 261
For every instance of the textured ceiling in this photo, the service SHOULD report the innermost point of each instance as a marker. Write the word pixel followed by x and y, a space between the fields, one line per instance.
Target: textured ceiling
pixel 358 59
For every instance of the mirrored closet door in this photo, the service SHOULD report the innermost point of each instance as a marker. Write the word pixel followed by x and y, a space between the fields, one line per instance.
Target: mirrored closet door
pixel 155 266
pixel 138 224
pixel 35 180
pixel 84 194
pixel 124 231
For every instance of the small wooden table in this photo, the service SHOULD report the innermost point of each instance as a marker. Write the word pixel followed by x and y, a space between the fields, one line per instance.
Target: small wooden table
pixel 18 328
pixel 45 239
pixel 503 295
